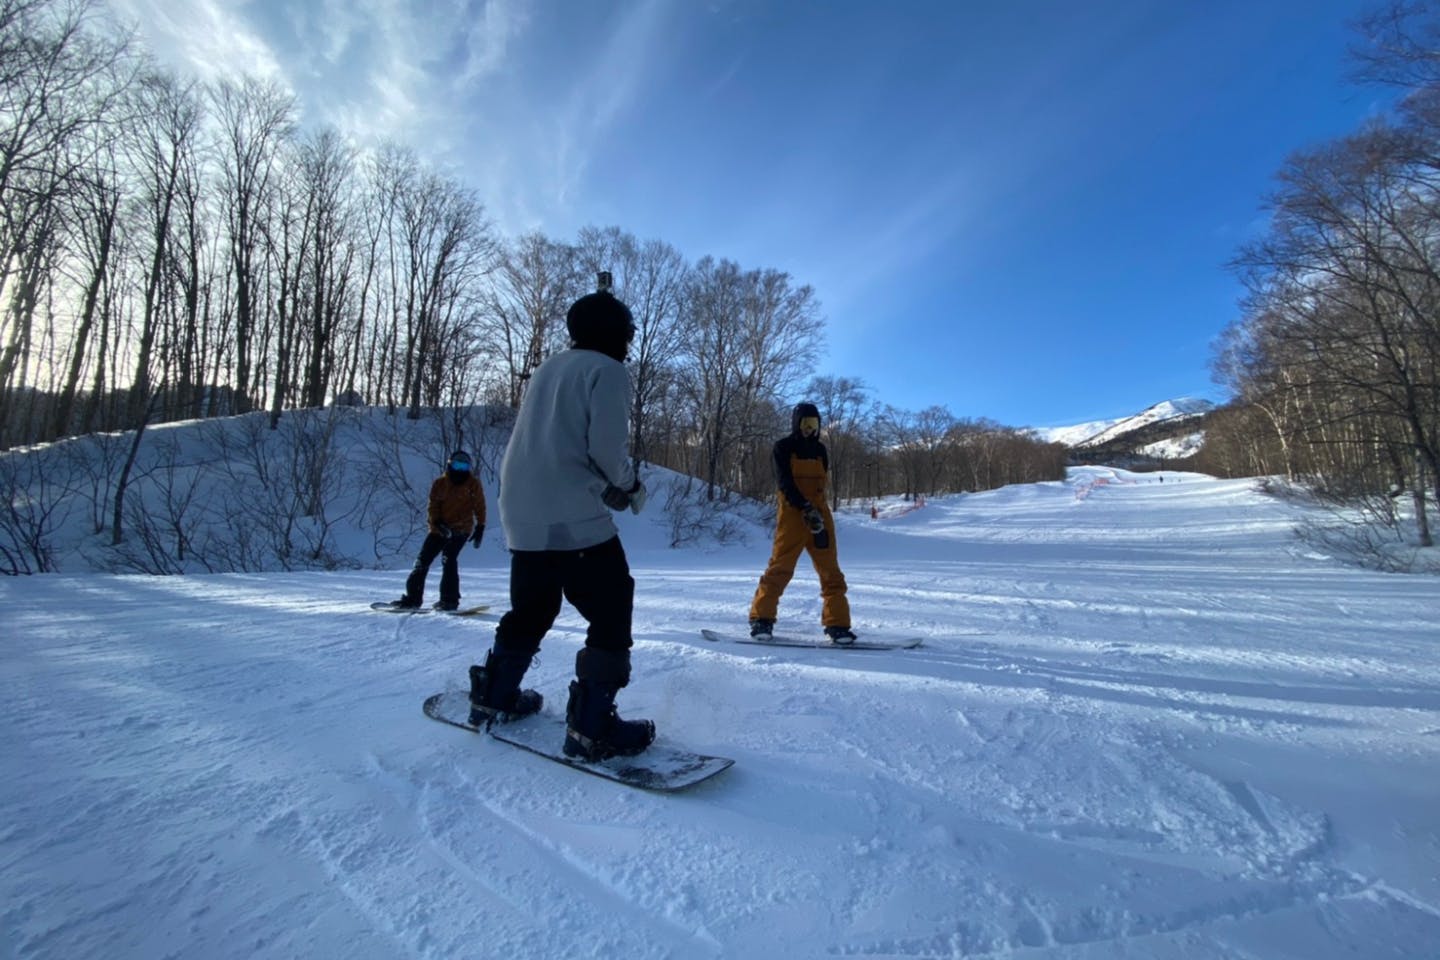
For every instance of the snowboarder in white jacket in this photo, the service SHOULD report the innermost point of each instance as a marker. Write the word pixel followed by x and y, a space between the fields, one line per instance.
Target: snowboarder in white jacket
pixel 566 467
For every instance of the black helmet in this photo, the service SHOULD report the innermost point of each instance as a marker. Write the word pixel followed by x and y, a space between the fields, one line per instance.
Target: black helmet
pixel 598 321
pixel 460 460
pixel 801 411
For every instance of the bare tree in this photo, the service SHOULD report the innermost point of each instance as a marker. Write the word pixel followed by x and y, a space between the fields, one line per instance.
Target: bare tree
pixel 842 402
pixel 524 312
pixel 327 166
pixel 193 267
pixel 749 337
pixel 447 248
pixel 650 277
pixel 390 174
pixel 35 500
pixel 255 119
pixel 96 227
pixel 122 482
pixel 59 78
pixel 94 461
pixel 162 145
pixel 162 524
pixel 1345 288
pixel 367 346
pixel 288 253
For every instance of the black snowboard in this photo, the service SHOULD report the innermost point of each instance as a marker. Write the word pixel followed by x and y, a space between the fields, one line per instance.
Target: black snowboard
pixel 385 607
pixel 780 640
pixel 661 767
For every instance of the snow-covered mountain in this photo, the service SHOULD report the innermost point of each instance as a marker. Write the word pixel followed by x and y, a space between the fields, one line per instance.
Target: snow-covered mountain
pixel 1076 433
pixel 1176 413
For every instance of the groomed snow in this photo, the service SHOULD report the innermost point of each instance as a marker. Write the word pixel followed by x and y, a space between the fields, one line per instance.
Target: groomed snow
pixel 1146 722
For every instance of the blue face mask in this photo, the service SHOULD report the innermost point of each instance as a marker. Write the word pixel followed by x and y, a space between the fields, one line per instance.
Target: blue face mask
pixel 460 465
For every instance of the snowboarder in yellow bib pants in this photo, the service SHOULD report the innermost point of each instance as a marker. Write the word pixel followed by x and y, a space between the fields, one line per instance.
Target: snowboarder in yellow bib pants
pixel 803 522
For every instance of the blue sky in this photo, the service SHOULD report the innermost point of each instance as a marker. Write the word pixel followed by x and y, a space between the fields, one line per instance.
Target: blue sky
pixel 1018 210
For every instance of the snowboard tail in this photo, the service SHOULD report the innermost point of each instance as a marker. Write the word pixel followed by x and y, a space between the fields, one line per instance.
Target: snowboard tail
pixel 660 767
pixel 385 607
pixel 783 640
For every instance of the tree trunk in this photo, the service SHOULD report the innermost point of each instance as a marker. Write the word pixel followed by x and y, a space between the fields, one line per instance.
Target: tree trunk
pixel 1422 516
pixel 117 527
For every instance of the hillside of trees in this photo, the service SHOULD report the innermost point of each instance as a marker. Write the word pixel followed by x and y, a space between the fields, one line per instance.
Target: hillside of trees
pixel 1334 365
pixel 175 250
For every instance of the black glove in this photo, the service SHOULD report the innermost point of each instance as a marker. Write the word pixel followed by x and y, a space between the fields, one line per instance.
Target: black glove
pixel 637 497
pixel 615 498
pixel 814 519
pixel 478 535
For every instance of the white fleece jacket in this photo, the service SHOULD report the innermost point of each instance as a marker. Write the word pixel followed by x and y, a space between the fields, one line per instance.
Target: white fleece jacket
pixel 570 441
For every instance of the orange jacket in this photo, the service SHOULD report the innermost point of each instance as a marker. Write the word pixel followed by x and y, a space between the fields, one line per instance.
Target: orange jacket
pixel 459 506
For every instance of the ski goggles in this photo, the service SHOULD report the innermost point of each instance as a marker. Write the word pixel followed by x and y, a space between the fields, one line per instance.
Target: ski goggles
pixel 459 464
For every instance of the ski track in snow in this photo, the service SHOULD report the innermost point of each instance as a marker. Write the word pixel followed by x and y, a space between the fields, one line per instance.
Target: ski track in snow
pixel 1143 724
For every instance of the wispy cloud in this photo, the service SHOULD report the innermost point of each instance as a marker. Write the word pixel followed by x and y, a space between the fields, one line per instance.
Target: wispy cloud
pixel 488 40
pixel 441 76
pixel 931 216
pixel 605 92
pixel 388 64
pixel 376 69
pixel 204 38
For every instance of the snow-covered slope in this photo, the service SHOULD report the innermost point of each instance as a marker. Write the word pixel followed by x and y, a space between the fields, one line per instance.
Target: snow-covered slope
pixel 336 488
pixel 1174 448
pixel 1145 724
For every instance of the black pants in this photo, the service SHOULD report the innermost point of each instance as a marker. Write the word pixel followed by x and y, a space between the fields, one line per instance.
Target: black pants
pixel 595 580
pixel 434 545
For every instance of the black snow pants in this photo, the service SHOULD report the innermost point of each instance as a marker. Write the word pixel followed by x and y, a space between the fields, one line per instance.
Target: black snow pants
pixel 434 545
pixel 596 581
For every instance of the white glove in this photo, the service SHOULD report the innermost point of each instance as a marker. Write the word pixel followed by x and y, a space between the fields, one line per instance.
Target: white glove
pixel 814 519
pixel 637 497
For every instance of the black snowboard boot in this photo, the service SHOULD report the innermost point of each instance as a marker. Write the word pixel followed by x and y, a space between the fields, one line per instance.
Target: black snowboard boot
pixel 445 606
pixel 405 603
pixel 843 636
pixel 495 694
pixel 762 629
pixel 593 730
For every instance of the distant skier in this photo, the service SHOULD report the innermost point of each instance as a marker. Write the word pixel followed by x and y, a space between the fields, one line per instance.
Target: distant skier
pixel 802 522
pixel 456 513
pixel 566 463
